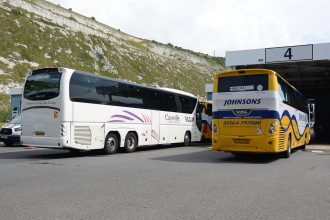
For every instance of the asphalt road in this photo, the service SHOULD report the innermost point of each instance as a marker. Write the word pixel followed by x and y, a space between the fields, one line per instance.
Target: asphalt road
pixel 163 182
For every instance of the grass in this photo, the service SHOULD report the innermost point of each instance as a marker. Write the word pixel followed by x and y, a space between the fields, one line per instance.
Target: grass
pixel 132 59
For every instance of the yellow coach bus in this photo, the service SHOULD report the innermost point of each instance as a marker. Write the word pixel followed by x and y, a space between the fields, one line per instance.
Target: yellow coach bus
pixel 256 110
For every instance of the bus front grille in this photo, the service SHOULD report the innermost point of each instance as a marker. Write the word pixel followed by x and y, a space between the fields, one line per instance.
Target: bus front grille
pixel 281 139
pixel 82 135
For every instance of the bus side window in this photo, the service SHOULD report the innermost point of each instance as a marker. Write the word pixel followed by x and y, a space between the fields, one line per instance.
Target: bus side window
pixel 154 100
pixel 188 104
pixel 283 92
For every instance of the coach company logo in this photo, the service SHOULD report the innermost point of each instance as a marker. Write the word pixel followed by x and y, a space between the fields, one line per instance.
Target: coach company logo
pixel 242 112
pixel 189 119
pixel 172 118
pixel 242 102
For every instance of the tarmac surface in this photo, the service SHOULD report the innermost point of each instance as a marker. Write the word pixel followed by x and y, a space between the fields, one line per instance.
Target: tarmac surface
pixel 163 182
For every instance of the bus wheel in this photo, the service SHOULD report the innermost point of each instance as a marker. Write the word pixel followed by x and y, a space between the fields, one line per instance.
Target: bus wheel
pixel 130 142
pixel 111 144
pixel 186 140
pixel 288 150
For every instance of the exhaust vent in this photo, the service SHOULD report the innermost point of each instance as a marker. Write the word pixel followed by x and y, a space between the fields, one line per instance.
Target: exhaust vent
pixel 82 135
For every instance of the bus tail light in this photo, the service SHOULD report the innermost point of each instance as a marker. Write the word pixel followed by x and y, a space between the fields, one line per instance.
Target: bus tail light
pixel 205 128
pixel 62 130
pixel 215 128
pixel 272 128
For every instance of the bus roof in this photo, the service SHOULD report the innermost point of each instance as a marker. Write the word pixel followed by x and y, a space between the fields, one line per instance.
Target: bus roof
pixel 60 69
pixel 252 72
pixel 177 91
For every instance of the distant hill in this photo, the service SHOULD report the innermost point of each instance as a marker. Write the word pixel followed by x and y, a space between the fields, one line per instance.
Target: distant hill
pixel 36 34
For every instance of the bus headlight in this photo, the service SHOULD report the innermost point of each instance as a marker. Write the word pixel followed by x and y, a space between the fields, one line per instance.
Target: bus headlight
pixel 214 128
pixel 272 128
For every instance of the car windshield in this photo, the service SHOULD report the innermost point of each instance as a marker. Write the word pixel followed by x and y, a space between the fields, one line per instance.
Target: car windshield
pixel 16 120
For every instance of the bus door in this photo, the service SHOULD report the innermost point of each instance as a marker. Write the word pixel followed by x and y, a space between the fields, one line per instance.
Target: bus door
pixel 155 132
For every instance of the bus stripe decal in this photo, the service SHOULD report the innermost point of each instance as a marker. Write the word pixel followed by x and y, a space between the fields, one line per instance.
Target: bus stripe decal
pixel 134 115
pixel 34 107
pixel 122 116
pixel 253 114
pixel 264 114
pixel 116 121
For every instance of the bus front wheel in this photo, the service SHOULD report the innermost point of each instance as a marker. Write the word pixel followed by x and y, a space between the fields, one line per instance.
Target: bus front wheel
pixel 287 153
pixel 111 144
pixel 130 142
pixel 186 140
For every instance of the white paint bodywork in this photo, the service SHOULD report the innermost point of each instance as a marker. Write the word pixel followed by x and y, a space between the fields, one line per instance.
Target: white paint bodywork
pixel 151 126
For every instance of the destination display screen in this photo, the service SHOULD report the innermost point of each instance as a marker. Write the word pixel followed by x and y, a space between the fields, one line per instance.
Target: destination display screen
pixel 258 82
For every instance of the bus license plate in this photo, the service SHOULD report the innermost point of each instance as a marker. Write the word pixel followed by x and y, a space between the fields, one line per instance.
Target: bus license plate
pixel 3 137
pixel 241 141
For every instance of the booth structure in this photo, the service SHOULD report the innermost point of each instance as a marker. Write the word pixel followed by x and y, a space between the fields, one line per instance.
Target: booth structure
pixel 307 67
pixel 15 101
pixel 208 91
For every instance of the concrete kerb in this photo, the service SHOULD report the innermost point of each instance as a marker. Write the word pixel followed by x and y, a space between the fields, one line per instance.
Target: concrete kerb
pixel 318 147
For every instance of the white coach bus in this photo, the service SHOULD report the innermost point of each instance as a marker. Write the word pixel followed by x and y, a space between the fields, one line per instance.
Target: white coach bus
pixel 74 110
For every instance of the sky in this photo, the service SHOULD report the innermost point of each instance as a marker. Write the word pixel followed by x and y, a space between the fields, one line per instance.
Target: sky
pixel 214 26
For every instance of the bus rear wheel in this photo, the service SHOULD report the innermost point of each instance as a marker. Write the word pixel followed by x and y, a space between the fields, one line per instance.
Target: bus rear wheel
pixel 111 144
pixel 130 142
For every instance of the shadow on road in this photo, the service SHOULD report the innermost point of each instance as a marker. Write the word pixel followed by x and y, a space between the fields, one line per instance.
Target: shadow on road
pixel 204 156
pixel 43 154
pixel 21 153
pixel 209 156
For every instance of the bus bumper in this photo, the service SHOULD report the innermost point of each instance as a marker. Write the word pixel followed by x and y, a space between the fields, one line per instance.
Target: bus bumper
pixel 43 142
pixel 246 144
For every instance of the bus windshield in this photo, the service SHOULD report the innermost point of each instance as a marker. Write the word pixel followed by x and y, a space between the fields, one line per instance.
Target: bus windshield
pixel 258 82
pixel 42 85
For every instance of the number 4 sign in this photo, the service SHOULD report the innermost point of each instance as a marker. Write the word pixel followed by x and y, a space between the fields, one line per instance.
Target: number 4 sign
pixel 288 53
pixel 285 54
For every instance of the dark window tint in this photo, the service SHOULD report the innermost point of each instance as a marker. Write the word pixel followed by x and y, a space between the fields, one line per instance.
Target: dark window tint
pixel 121 94
pixel 290 96
pixel 187 103
pixel 42 85
pixel 163 101
pixel 155 100
pixel 243 83
pixel 85 88
pixel 209 109
pixel 168 102
pixel 93 89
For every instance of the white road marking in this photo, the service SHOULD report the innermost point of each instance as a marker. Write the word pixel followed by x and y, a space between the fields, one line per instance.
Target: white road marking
pixel 317 151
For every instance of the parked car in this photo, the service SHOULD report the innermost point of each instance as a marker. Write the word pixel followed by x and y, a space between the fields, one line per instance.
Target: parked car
pixel 10 132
